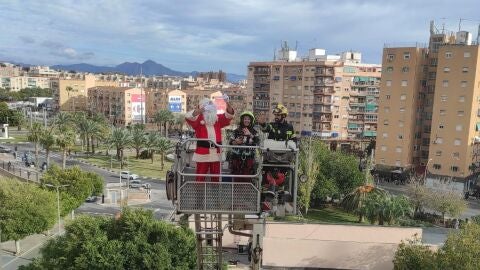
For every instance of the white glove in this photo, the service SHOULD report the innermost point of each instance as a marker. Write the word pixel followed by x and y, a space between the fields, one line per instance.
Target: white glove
pixel 226 97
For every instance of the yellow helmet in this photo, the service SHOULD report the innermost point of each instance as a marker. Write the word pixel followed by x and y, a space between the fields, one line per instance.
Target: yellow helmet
pixel 280 109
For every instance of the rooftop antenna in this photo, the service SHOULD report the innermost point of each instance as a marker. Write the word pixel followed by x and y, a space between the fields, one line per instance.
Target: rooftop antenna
pixel 274 54
pixel 460 24
pixel 296 44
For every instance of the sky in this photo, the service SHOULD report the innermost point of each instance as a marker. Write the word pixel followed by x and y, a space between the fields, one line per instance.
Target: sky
pixel 205 35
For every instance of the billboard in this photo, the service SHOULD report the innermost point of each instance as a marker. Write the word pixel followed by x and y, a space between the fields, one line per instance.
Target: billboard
pixel 138 107
pixel 175 104
pixel 220 103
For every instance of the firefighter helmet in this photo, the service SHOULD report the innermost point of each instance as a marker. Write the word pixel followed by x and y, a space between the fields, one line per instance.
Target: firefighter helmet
pixel 250 114
pixel 280 109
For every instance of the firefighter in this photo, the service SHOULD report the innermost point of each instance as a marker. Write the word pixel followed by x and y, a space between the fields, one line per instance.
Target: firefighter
pixel 280 129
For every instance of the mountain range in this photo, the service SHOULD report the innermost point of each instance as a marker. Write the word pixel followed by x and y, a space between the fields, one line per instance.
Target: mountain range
pixel 147 68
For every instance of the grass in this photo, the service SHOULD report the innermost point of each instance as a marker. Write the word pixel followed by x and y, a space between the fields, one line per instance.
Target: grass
pixel 16 138
pixel 142 167
pixel 329 214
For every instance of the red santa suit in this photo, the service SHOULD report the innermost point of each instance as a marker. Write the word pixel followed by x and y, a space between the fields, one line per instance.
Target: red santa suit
pixel 207 156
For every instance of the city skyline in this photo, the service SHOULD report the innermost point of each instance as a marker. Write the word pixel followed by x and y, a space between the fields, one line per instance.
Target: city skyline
pixel 209 36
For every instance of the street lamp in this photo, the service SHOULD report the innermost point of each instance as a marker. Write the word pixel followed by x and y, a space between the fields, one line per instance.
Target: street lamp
pixel 58 203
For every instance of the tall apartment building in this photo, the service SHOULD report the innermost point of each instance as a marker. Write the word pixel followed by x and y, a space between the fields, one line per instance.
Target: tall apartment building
pixel 122 106
pixel 18 83
pixel 70 93
pixel 429 107
pixel 330 96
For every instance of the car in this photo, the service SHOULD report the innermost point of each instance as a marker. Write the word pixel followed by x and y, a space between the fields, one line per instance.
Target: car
pixel 128 175
pixel 91 199
pixel 135 184
pixel 4 149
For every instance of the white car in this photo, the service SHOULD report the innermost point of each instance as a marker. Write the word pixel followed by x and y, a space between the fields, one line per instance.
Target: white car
pixel 128 175
pixel 135 184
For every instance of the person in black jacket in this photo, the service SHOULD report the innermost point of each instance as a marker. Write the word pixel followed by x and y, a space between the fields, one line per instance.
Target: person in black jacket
pixel 280 129
pixel 242 160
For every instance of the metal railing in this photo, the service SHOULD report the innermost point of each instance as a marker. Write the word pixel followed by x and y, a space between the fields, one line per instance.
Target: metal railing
pixel 18 171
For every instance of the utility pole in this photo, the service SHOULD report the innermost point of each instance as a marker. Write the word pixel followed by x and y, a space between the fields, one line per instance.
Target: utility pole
pixel 58 204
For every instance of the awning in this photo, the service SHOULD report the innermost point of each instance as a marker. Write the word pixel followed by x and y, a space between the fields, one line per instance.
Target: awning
pixel 369 133
pixel 478 127
pixel 371 106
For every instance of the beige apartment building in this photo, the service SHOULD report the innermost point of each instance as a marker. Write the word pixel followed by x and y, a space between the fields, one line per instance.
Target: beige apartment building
pixel 18 83
pixel 71 93
pixel 333 97
pixel 429 109
pixel 122 106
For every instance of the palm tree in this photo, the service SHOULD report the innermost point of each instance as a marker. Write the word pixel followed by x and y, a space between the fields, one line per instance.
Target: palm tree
pixel 65 139
pixel 62 120
pixel 179 121
pixel 355 200
pixel 34 136
pixel 161 118
pixel 151 143
pixel 138 138
pixel 47 141
pixel 119 138
pixel 69 90
pixel 103 127
pixel 385 208
pixel 163 146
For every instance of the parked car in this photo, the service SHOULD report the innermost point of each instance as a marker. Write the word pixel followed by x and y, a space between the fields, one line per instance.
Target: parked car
pixel 128 175
pixel 91 199
pixel 135 184
pixel 4 149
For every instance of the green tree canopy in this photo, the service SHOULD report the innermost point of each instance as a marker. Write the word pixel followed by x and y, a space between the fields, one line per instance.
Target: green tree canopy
pixel 134 241
pixel 81 185
pixel 25 209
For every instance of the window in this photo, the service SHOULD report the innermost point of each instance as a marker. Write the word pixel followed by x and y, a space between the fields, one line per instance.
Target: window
pixel 385 122
pixel 445 83
pixel 441 126
pixel 389 69
pixel 459 128
pixel 437 166
pixel 383 148
pixel 398 163
pixel 438 153
pixel 400 136
pixel 461 98
pixel 400 123
pixel 387 109
pixel 442 112
pixel 382 160
pixel 389 83
pixel 446 69
pixel 402 109
pixel 387 96
pixel 390 57
pixel 416 147
pixel 403 97
pixel 456 155
pixel 438 140
pixel 398 149
pixel 385 135
pixel 405 69
pixel 466 54
pixel 448 54
pixel 454 169
pixel 465 70
pixel 457 142
pixel 443 97
pixel 460 113
pixel 404 82
pixel 463 83
pixel 406 55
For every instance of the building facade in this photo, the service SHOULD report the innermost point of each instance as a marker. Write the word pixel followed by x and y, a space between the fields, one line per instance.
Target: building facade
pixel 330 96
pixel 429 116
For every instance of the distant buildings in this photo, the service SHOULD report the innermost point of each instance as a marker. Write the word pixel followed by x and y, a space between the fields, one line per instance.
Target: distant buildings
pixel 330 96
pixel 429 116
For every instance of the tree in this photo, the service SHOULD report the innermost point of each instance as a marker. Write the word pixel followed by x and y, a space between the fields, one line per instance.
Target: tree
pixel 461 251
pixel 136 240
pixel 151 143
pixel 309 168
pixel 161 118
pixel 447 202
pixel 179 121
pixel 414 255
pixel 47 140
pixel 65 139
pixel 25 209
pixel 17 118
pixel 120 138
pixel 138 138
pixel 70 90
pixel 81 184
pixel 62 121
pixel 35 135
pixel 355 200
pixel 385 208
pixel 163 146
pixel 419 196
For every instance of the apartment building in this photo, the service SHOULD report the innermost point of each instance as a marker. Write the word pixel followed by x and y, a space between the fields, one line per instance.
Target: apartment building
pixel 429 114
pixel 122 106
pixel 18 83
pixel 330 96
pixel 70 91
pixel 43 71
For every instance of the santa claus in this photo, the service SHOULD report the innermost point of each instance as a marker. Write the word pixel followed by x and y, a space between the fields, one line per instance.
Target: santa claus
pixel 207 125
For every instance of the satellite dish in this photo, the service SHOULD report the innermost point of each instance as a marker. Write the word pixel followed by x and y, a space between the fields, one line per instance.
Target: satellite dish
pixel 303 178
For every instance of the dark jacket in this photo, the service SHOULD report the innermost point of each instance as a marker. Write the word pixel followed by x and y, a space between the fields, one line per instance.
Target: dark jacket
pixel 252 140
pixel 282 131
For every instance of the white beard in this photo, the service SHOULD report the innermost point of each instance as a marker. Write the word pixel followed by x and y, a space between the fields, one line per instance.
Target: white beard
pixel 210 117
